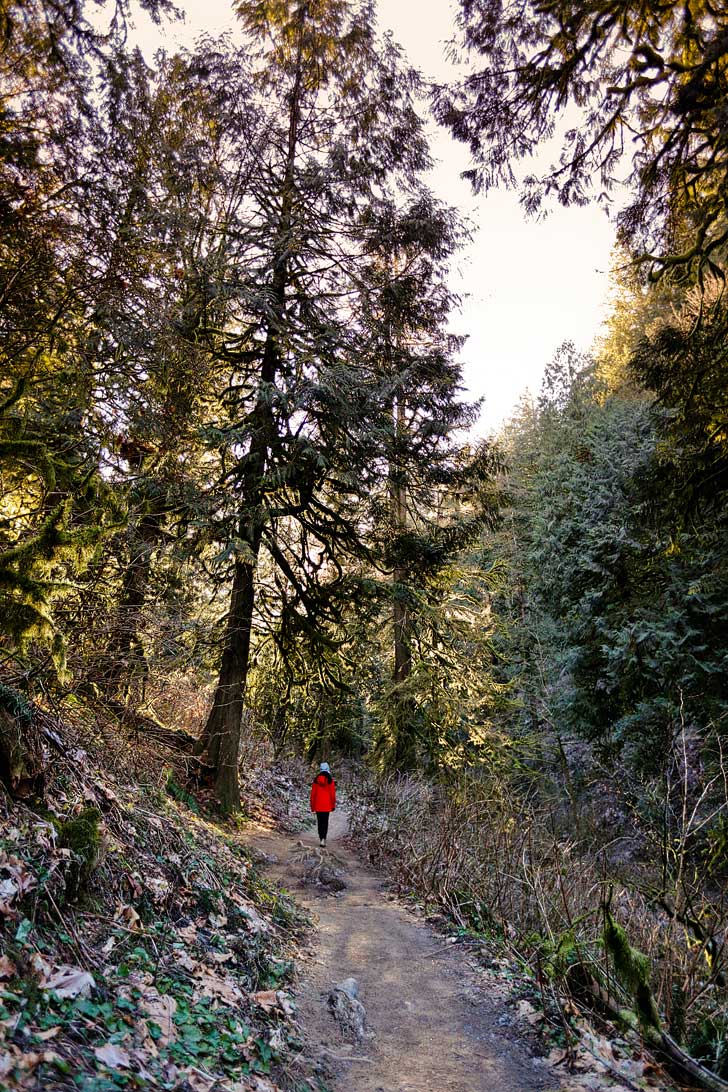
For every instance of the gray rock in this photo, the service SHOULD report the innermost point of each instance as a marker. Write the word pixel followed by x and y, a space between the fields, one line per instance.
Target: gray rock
pixel 347 1010
pixel 331 878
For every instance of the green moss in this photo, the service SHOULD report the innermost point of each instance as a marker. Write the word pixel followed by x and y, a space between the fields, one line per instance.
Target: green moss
pixel 82 836
pixel 633 968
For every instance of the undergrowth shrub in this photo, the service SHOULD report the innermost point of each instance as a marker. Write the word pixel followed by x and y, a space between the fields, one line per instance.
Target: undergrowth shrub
pixel 499 861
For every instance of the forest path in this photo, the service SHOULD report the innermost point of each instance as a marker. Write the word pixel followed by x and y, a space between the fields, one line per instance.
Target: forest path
pixel 438 1022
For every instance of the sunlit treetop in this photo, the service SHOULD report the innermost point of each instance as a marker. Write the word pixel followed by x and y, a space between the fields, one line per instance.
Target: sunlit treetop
pixel 316 34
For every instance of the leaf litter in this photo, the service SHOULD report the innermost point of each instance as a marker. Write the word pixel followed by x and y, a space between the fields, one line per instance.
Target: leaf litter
pixel 168 971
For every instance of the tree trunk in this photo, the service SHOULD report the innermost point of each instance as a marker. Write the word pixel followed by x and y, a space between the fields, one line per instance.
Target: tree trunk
pixel 220 740
pixel 22 760
pixel 125 651
pixel 401 618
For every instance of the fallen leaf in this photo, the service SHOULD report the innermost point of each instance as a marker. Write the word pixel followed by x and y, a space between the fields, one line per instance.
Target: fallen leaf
pixel 134 881
pixel 267 999
pixel 7 967
pixel 254 923
pixel 8 890
pixel 41 966
pixel 161 1009
pixel 128 915
pixel 213 985
pixel 70 982
pixel 199 1081
pixel 49 1033
pixel 112 1056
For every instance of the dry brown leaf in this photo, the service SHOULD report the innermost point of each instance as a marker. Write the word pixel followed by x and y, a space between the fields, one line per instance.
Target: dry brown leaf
pixel 213 985
pixel 113 1056
pixel 70 982
pixel 41 966
pixel 187 932
pixel 128 916
pixel 49 1033
pixel 161 1009
pixel 15 1059
pixel 254 923
pixel 198 1080
pixel 7 967
pixel 267 999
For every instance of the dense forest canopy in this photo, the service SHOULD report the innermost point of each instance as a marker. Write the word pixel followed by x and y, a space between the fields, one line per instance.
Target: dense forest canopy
pixel 242 496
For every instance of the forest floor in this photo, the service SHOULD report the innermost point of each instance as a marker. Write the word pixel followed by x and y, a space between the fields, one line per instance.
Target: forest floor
pixel 436 1020
pixel 154 955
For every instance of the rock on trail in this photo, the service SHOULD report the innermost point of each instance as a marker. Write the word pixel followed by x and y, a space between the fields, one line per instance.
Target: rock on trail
pixel 434 1023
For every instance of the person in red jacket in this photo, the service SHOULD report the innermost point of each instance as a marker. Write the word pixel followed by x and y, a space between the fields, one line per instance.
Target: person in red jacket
pixel 323 800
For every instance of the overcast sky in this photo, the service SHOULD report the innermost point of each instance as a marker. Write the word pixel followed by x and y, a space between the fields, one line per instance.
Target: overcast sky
pixel 527 285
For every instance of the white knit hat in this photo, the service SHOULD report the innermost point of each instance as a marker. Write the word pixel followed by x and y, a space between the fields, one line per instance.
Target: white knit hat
pixel 325 767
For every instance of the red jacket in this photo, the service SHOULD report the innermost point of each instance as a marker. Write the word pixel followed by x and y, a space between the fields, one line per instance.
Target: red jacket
pixel 323 793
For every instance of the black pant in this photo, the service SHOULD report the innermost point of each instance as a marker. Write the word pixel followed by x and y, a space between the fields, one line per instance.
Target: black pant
pixel 322 819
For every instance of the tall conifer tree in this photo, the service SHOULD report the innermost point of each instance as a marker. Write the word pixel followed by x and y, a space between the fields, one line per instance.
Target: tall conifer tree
pixel 340 124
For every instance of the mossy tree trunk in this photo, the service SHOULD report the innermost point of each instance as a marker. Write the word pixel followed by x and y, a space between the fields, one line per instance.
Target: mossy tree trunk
pixel 22 757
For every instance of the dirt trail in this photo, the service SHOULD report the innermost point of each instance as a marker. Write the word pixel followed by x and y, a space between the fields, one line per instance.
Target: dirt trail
pixel 438 1024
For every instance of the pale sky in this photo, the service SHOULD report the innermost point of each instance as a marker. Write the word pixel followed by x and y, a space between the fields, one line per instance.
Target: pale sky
pixel 528 285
